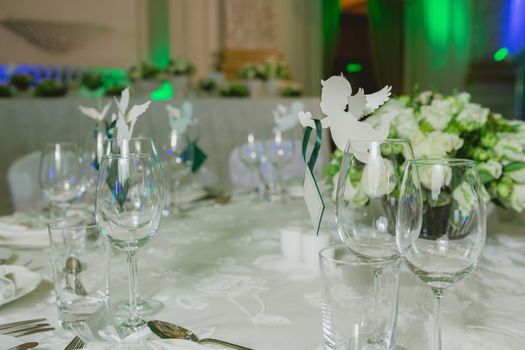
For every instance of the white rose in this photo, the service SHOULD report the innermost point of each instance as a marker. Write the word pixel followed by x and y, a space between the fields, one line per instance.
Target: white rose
pixel 517 175
pixel 439 113
pixel 424 97
pixel 434 177
pixel 492 167
pixel 473 116
pixel 463 97
pixel 510 148
pixel 465 198
pixel 435 144
pixel 517 198
pixel 406 124
pixel 378 178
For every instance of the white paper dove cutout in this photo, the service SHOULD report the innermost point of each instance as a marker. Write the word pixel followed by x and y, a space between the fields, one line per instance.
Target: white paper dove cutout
pixel 345 126
pixel 180 118
pixel 285 118
pixel 126 119
pixel 93 113
pixel 125 123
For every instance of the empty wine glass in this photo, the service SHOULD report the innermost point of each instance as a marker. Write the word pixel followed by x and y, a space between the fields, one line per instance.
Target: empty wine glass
pixel 366 204
pixel 129 203
pixel 60 176
pixel 441 225
pixel 252 155
pixel 367 195
pixel 145 306
pixel 280 153
pixel 92 152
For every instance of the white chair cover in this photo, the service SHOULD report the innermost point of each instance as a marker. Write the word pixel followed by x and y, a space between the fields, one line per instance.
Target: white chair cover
pixel 24 184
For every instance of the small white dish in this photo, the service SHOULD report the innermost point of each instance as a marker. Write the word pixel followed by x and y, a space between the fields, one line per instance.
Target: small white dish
pixel 25 280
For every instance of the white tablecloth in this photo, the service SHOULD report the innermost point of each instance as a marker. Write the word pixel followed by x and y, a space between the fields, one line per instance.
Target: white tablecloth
pixel 220 272
pixel 26 125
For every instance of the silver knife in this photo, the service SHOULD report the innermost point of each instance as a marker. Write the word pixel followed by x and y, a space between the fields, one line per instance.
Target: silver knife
pixel 24 346
pixel 20 323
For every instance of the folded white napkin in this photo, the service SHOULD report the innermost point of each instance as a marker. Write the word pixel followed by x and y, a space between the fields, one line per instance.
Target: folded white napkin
pixel 21 236
pixel 161 344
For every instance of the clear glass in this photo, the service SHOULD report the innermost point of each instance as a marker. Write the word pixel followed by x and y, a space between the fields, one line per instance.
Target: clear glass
pixel 252 155
pixel 60 176
pixel 367 196
pixel 129 205
pixel 351 320
pixel 178 160
pixel 280 153
pixel 91 154
pixel 79 257
pixel 441 225
pixel 145 306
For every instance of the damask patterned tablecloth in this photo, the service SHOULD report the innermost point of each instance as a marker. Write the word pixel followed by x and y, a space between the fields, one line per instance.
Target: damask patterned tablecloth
pixel 220 272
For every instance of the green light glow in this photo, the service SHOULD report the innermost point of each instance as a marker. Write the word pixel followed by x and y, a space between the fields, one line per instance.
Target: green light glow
pixel 354 67
pixel 501 54
pixel 165 92
pixel 437 22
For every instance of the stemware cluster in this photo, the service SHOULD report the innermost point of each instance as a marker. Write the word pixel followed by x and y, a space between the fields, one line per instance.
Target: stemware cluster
pixel 428 211
pixel 278 151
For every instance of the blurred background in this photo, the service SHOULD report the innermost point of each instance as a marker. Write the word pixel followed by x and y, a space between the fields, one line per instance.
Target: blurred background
pixel 79 50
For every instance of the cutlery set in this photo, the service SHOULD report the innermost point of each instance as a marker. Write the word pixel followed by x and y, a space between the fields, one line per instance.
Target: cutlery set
pixel 22 328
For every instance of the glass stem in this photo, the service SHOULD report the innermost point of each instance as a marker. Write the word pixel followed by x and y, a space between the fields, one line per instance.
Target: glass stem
pixel 377 302
pixel 132 266
pixel 438 317
pixel 260 183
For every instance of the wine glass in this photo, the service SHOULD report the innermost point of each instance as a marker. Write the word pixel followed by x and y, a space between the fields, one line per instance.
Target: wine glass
pixel 60 176
pixel 178 159
pixel 129 203
pixel 280 153
pixel 367 194
pixel 441 224
pixel 145 306
pixel 366 204
pixel 92 151
pixel 252 155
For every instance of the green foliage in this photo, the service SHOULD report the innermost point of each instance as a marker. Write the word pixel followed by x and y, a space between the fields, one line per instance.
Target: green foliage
pixel 235 89
pixel 21 82
pixel 50 88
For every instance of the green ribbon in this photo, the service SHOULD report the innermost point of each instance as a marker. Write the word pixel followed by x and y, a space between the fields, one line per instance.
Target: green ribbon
pixel 317 147
pixel 310 163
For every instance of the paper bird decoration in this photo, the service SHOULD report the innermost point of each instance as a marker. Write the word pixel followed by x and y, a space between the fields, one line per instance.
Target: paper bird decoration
pixel 180 118
pixel 126 119
pixel 125 123
pixel 286 118
pixel 344 112
pixel 93 113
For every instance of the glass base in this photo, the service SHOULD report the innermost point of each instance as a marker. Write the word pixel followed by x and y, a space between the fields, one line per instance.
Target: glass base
pixel 145 307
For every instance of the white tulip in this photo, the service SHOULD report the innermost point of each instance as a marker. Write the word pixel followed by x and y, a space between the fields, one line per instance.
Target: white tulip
pixel 492 167
pixel 465 197
pixel 509 148
pixel 517 198
pixel 379 177
pixel 434 177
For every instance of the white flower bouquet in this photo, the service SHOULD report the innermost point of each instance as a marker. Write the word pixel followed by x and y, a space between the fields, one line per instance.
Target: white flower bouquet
pixel 452 126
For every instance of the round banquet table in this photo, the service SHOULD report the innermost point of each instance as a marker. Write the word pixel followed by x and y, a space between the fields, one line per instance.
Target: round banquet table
pixel 220 272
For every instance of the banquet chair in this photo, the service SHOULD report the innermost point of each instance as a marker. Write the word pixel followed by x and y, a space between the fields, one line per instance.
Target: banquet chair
pixel 240 176
pixel 24 185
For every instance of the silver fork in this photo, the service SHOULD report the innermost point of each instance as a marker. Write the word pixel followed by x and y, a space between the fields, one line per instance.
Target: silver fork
pixel 75 344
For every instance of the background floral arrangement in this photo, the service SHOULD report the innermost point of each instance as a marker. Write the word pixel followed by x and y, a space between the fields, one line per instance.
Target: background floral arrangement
pixel 453 126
